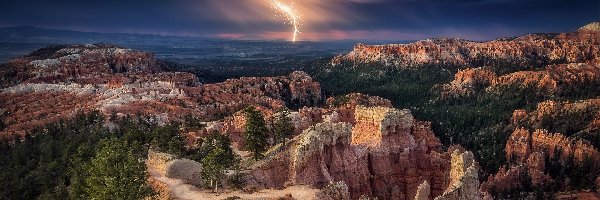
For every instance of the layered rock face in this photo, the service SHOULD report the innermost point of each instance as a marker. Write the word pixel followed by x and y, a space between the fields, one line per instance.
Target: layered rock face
pixel 464 181
pixel 532 49
pixel 523 143
pixel 382 126
pixel 527 152
pixel 467 82
pixel 385 154
pixel 58 82
pixel 559 79
pixel 586 113
pixel 76 63
pixel 296 90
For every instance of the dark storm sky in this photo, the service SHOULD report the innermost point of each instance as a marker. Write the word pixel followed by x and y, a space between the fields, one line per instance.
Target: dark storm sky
pixel 321 19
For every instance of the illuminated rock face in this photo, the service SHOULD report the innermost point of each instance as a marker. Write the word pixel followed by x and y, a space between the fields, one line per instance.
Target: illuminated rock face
pixel 464 181
pixel 466 82
pixel 382 126
pixel 523 143
pixel 527 50
pixel 388 157
pixel 560 79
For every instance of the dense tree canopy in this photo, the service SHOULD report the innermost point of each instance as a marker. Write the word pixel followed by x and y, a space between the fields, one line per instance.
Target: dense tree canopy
pixel 256 132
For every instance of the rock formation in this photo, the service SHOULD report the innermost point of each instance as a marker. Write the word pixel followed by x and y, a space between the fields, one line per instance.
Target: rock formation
pixel 594 26
pixel 335 191
pixel 379 156
pixel 584 112
pixel 467 82
pixel 58 82
pixel 560 79
pixel 423 191
pixel 527 152
pixel 166 165
pixel 522 143
pixel 527 50
pixel 464 181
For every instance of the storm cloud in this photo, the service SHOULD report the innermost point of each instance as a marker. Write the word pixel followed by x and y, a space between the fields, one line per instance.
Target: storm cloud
pixel 321 19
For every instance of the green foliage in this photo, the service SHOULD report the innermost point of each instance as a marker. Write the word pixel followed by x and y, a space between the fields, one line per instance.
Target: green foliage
pixel 568 122
pixel 340 100
pixel 192 123
pixel 478 122
pixel 53 161
pixel 282 126
pixel 117 171
pixel 218 156
pixel 40 166
pixel 167 139
pixel 406 88
pixel 256 132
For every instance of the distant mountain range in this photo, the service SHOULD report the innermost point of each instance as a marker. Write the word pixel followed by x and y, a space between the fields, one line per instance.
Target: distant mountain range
pixel 29 34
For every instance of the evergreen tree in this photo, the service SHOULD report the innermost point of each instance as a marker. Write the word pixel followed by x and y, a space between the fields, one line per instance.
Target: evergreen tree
pixel 282 126
pixel 167 139
pixel 116 172
pixel 256 132
pixel 219 157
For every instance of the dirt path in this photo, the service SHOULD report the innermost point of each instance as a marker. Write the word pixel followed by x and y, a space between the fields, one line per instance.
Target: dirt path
pixel 181 190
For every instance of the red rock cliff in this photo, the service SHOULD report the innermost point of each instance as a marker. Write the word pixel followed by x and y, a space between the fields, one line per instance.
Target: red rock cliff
pixel 385 155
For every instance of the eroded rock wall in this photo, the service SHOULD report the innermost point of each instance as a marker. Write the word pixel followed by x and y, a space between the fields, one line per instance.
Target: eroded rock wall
pixel 527 50
pixel 390 169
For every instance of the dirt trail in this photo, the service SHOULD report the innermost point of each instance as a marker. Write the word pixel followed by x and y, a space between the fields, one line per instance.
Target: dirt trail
pixel 181 190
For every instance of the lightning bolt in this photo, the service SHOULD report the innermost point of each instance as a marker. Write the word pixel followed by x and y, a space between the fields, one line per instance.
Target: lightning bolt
pixel 291 16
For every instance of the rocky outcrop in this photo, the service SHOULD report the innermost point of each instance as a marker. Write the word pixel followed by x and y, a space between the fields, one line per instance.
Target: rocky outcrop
pixel 423 191
pixel 558 79
pixel 57 82
pixel 527 50
pixel 379 126
pixel 467 82
pixel 464 181
pixel 187 170
pixel 561 79
pixel 594 26
pixel 522 143
pixel 568 117
pixel 75 63
pixel 527 153
pixel 335 191
pixel 296 90
pixel 401 156
pixel 166 165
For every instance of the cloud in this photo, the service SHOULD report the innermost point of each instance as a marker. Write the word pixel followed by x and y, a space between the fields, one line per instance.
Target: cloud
pixel 334 19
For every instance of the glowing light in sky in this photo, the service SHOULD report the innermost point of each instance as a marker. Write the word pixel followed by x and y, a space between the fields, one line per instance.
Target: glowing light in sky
pixel 291 15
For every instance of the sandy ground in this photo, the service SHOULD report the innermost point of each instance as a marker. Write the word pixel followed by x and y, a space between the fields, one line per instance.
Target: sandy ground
pixel 180 190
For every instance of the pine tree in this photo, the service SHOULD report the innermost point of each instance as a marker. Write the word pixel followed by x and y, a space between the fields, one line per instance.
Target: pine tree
pixel 219 157
pixel 116 172
pixel 282 126
pixel 256 132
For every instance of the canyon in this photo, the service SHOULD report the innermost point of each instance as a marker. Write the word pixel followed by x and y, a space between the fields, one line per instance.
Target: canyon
pixel 116 81
pixel 343 146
